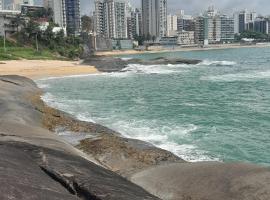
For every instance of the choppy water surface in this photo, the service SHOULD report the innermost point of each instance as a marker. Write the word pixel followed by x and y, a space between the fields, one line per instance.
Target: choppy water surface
pixel 216 110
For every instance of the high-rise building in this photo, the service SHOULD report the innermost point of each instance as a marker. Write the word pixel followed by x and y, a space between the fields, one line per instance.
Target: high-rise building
pixel 201 30
pixel 260 25
pixel 213 27
pixel 111 18
pixel 1 4
pixel 154 17
pixel 59 11
pixel 244 18
pixel 171 25
pixel 73 17
pixel 227 28
pixel 136 21
pixel 185 22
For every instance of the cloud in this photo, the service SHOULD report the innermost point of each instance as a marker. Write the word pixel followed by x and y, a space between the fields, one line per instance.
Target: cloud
pixel 197 6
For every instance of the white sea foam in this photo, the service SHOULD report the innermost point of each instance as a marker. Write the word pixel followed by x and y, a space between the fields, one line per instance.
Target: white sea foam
pixel 239 76
pixel 217 63
pixel 126 59
pixel 153 69
pixel 164 137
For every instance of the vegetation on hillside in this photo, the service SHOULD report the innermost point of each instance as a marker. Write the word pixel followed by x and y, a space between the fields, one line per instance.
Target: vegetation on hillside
pixel 33 41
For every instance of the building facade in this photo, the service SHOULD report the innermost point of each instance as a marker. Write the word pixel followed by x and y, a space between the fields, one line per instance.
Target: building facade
pixel 111 18
pixel 154 18
pixel 171 25
pixel 260 25
pixel 186 38
pixel 59 12
pixel 245 18
pixel 227 28
pixel 73 16
pixel 136 21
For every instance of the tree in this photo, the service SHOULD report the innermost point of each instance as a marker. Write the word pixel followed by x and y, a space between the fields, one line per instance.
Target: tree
pixel 87 23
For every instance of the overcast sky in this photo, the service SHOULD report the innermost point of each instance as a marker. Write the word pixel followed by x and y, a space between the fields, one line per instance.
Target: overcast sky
pixel 196 6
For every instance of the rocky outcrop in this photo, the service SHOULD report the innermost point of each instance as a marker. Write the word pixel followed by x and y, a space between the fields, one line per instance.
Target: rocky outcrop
pixel 206 181
pixel 37 164
pixel 113 64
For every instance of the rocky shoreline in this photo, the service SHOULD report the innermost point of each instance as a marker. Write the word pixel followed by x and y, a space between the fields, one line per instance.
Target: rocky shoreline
pixel 114 64
pixel 36 163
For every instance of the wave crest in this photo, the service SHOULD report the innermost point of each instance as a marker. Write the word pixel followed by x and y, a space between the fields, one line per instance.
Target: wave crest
pixel 217 63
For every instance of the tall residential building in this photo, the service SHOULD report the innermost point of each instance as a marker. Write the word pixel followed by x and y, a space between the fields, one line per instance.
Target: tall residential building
pixel 201 30
pixel 111 18
pixel 59 11
pixel 236 22
pixel 136 22
pixel 171 25
pixel 185 22
pixel 73 16
pixel 244 18
pixel 136 17
pixel 260 25
pixel 213 27
pixel 154 17
pixel 1 5
pixel 227 28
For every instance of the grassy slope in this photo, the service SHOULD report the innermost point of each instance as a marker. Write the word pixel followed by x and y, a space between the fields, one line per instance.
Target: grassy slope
pixel 15 52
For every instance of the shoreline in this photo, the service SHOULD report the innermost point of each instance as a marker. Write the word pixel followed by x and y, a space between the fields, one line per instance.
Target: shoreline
pixel 30 150
pixel 42 69
pixel 180 49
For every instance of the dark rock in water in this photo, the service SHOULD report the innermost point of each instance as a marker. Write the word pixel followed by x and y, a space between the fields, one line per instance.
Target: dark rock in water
pixel 126 156
pixel 113 64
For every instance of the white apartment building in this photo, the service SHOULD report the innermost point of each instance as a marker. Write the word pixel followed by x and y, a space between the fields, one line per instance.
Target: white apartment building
pixel 6 19
pixel 59 11
pixel 154 17
pixel 186 38
pixel 111 18
pixel 171 25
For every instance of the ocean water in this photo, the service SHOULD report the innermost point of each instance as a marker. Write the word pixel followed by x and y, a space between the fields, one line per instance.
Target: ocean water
pixel 216 110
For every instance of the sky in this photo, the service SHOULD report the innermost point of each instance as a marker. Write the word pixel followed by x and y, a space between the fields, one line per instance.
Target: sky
pixel 197 6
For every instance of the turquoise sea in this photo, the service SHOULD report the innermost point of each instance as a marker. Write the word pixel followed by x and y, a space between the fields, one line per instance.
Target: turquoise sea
pixel 216 110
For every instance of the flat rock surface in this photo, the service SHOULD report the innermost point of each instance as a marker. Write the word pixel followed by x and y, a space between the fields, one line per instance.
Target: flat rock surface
pixel 206 181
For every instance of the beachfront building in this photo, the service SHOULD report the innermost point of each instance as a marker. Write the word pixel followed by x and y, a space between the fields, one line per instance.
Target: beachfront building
pixel 213 27
pixel 111 18
pixel 186 38
pixel 244 18
pixel 201 30
pixel 73 16
pixel 59 12
pixel 260 25
pixel 136 23
pixel 171 25
pixel 227 28
pixel 154 18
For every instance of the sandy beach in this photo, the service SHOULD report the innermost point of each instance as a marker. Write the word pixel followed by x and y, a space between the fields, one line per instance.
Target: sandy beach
pixel 37 69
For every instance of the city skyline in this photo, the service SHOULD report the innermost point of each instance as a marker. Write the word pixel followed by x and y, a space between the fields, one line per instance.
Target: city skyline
pixel 197 6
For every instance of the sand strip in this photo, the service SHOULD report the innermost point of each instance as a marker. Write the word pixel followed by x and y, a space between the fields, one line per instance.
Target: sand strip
pixel 37 69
